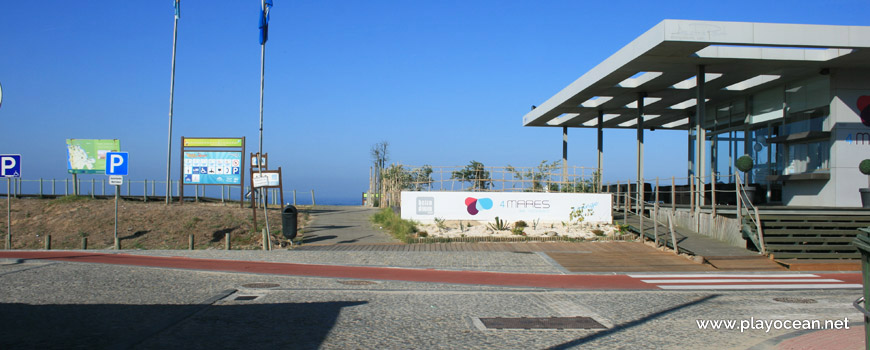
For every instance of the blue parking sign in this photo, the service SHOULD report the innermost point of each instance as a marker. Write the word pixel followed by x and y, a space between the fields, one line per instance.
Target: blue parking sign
pixel 116 163
pixel 10 165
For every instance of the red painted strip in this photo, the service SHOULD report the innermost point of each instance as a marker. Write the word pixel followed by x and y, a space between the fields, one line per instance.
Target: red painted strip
pixel 358 272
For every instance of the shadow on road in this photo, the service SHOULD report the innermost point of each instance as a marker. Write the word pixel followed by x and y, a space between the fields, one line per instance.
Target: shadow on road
pixel 197 326
pixel 621 327
pixel 313 239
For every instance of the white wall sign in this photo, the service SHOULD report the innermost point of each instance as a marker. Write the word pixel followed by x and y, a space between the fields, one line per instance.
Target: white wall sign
pixel 511 206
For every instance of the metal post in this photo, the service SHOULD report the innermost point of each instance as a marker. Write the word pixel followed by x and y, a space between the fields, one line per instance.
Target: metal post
pixel 47 242
pixel 93 188
pixel 8 213
pixel 600 147
pixel 40 187
pixel 294 198
pixel 103 185
pixel 628 194
pixel 673 235
pixel 190 242
pixel 656 214
pixel 564 156
pixel 117 243
pixel 66 187
pixel 313 202
pixel 128 188
pixel 145 191
pixel 640 186
pixel 700 113
pixel 53 189
pixel 673 194
pixel 739 198
pixel 262 85
pixel 713 192
pixel 171 101
pixel 618 193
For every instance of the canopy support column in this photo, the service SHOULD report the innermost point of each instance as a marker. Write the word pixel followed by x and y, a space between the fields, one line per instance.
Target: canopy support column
pixel 600 149
pixel 564 156
pixel 640 189
pixel 700 114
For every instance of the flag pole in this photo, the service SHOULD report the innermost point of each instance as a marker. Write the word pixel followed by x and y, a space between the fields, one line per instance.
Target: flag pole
pixel 263 39
pixel 171 101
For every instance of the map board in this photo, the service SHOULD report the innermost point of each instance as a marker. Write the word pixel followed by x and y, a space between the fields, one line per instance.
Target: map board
pixel 212 168
pixel 86 156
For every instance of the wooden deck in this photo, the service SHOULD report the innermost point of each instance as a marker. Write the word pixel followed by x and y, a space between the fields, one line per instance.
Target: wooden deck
pixel 625 257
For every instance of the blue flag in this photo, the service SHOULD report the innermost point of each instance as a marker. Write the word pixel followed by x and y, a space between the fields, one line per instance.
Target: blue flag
pixel 264 21
pixel 177 9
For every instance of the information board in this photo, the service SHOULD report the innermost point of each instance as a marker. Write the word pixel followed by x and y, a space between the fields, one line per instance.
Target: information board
pixel 86 156
pixel 212 168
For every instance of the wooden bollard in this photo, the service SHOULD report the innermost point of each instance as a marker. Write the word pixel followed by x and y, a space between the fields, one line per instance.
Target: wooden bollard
pixel 47 242
pixel 84 243
pixel 227 241
pixel 190 242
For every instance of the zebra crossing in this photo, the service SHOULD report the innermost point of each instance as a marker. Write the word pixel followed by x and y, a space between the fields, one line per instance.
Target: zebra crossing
pixel 750 281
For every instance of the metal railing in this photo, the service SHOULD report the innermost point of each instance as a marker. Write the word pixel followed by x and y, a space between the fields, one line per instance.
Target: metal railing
pixel 146 190
pixel 640 207
pixel 632 196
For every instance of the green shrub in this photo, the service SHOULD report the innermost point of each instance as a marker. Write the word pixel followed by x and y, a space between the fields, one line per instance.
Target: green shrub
pixel 744 163
pixel 399 228
pixel 521 224
pixel 864 167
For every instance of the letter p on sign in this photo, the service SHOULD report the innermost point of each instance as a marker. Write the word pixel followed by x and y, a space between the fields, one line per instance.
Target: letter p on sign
pixel 10 165
pixel 116 163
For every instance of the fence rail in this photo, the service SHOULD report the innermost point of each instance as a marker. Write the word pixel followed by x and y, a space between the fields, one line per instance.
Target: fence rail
pixel 146 190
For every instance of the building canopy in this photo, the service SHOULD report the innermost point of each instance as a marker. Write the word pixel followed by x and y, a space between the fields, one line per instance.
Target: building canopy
pixel 662 65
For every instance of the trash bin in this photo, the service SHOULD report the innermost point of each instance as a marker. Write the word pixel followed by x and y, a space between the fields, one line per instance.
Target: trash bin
pixel 862 242
pixel 288 221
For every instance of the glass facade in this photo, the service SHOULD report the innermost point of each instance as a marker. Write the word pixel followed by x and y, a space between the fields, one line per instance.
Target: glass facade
pixel 782 128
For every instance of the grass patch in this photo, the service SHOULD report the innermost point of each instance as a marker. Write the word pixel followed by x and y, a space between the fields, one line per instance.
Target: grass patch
pixel 69 199
pixel 403 230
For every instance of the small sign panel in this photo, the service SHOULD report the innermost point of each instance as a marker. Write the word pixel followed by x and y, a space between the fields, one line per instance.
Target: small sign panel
pixel 116 163
pixel 260 181
pixel 10 165
pixel 116 180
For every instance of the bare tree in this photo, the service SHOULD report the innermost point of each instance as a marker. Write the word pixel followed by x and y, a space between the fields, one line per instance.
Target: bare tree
pixel 380 155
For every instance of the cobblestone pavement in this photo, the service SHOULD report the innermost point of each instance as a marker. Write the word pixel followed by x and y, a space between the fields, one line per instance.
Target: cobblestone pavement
pixel 76 305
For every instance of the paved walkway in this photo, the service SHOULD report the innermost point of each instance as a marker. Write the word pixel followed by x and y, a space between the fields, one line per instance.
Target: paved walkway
pixel 343 225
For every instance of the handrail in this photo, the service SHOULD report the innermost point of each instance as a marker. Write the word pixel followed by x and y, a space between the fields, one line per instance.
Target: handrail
pixel 756 219
pixel 654 218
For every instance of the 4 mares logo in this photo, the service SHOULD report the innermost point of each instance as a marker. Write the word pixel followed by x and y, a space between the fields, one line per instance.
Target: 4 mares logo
pixel 864 109
pixel 475 205
pixel 862 138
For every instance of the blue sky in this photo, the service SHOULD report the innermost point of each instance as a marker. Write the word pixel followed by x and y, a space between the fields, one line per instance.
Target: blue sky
pixel 444 82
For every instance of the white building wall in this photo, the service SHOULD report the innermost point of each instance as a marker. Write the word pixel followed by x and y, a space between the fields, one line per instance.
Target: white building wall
pixel 850 139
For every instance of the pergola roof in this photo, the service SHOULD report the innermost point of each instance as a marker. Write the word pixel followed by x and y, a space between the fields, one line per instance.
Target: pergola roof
pixel 738 58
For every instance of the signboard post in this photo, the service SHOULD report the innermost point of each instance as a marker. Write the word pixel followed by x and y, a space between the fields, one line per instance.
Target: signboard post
pixel 10 166
pixel 116 168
